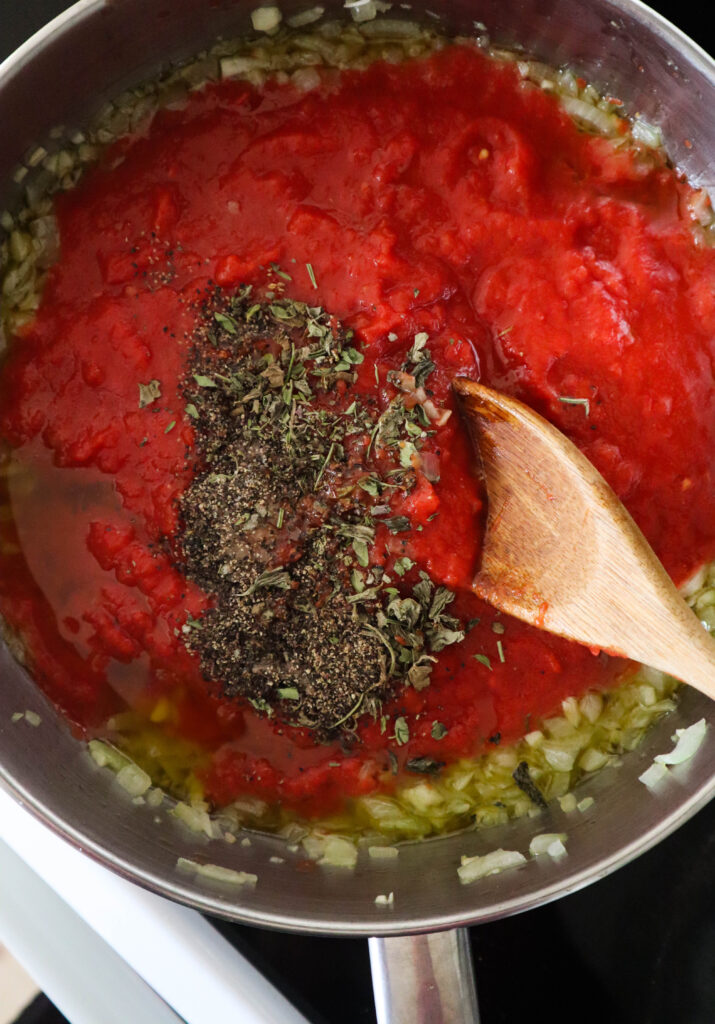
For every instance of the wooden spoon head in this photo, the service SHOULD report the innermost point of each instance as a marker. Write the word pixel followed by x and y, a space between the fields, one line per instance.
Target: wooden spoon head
pixel 560 550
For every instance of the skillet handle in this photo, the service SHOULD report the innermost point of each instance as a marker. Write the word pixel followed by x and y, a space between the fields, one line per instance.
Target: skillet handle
pixel 424 979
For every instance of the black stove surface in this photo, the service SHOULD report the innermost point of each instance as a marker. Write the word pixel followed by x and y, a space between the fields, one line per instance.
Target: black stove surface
pixel 635 948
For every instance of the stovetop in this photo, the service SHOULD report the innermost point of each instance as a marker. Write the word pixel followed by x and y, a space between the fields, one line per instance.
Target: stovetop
pixel 635 948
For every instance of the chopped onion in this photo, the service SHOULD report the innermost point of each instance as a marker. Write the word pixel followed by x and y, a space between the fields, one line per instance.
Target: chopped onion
pixel 383 852
pixel 195 818
pixel 339 853
pixel 649 134
pixel 266 19
pixel 306 17
pixel 385 900
pixel 306 79
pixel 232 66
pixel 551 843
pixel 534 738
pixel 688 741
pixel 134 779
pixel 391 28
pixel 560 758
pixel 422 796
pixel 32 718
pixel 567 803
pixel 473 868
pixel 583 805
pixel 592 759
pixel 106 756
pixel 599 120
pixel 653 775
pixel 591 706
pixel 216 873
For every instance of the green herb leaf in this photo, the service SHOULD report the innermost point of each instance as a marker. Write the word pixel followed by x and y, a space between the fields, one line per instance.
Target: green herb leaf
pixel 402 731
pixel 500 649
pixel 170 427
pixel 576 401
pixel 191 411
pixel 440 637
pixel 438 731
pixel 278 578
pixel 397 524
pixel 227 322
pixel 261 705
pixel 204 382
pixel 424 765
pixel 311 274
pixel 403 565
pixel 442 598
pixel 280 273
pixel 483 660
pixel 288 693
pixel 360 549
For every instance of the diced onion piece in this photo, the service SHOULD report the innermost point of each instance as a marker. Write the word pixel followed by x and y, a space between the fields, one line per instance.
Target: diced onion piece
pixel 688 741
pixel 422 796
pixel 194 818
pixel 599 120
pixel 534 738
pixel 583 805
pixel 339 853
pixel 473 868
pixel 265 19
pixel 232 66
pixel 592 759
pixel 653 775
pixel 560 758
pixel 32 718
pixel 306 17
pixel 649 134
pixel 216 873
pixel 106 756
pixel 385 900
pixel 572 711
pixel 551 843
pixel 134 779
pixel 392 28
pixel 567 803
pixel 383 852
pixel 306 79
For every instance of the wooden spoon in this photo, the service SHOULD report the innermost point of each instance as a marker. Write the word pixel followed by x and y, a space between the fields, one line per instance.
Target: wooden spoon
pixel 562 553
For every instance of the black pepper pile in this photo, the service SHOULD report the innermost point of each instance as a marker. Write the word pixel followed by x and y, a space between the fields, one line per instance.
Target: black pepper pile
pixel 281 512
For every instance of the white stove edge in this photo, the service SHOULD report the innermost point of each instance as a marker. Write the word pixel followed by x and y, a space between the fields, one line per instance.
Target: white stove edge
pixel 105 950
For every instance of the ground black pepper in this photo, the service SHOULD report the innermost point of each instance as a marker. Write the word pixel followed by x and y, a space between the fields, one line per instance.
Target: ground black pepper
pixel 280 515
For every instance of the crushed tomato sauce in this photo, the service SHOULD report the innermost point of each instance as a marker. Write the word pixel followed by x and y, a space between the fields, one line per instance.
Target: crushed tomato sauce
pixel 443 195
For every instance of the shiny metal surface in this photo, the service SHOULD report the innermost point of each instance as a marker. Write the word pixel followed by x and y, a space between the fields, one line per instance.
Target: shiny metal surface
pixel 424 979
pixel 62 74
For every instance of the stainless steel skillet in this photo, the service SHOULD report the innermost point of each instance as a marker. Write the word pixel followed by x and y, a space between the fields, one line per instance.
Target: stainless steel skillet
pixel 64 73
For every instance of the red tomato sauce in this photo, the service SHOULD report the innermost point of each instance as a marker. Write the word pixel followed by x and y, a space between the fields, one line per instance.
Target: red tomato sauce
pixel 444 196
